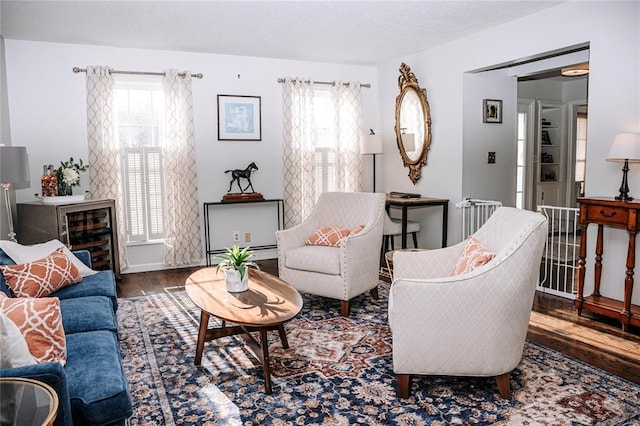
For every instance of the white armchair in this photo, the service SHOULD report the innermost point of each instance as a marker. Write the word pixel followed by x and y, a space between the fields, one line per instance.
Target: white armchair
pixel 337 272
pixel 473 324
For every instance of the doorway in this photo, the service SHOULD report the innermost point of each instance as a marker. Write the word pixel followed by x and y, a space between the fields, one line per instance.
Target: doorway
pixel 554 112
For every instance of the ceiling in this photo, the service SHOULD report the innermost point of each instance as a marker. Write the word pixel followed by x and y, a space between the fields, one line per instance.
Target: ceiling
pixel 351 32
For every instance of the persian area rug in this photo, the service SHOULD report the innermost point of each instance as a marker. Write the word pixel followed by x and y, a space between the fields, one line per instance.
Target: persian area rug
pixel 338 371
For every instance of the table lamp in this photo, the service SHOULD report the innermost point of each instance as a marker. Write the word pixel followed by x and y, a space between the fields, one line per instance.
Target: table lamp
pixel 14 168
pixel 371 144
pixel 625 148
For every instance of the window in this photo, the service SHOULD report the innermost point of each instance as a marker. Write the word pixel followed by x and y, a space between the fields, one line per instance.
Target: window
pixel 324 161
pixel 140 115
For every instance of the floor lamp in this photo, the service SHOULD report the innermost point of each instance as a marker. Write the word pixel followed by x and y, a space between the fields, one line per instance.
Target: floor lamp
pixel 625 148
pixel 371 144
pixel 14 168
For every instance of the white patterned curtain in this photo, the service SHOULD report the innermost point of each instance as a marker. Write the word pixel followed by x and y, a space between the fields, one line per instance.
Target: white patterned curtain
pixel 104 154
pixel 345 127
pixel 346 100
pixel 298 150
pixel 182 245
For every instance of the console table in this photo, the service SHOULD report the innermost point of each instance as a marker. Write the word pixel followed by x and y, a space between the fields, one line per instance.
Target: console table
pixel 405 203
pixel 209 251
pixel 617 214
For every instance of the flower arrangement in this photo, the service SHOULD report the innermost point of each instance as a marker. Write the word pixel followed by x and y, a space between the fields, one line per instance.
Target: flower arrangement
pixel 68 175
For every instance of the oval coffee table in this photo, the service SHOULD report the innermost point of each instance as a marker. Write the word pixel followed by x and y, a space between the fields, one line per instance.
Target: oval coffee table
pixel 267 305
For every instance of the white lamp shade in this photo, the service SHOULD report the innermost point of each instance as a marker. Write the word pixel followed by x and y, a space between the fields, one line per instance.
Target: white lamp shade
pixel 625 146
pixel 14 164
pixel 408 141
pixel 371 144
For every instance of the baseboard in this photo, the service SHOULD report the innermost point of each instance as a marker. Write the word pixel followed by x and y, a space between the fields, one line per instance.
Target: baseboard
pixel 150 267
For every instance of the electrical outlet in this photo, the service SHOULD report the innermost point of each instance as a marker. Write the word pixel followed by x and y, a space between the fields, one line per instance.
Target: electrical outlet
pixel 236 236
pixel 247 237
pixel 491 157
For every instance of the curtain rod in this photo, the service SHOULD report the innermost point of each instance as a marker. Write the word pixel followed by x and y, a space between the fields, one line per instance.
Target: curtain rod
pixel 181 74
pixel 330 83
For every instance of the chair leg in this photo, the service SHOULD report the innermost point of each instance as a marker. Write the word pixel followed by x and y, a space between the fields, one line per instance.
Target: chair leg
pixel 415 239
pixel 344 304
pixel 374 293
pixel 404 385
pixel 383 250
pixel 503 385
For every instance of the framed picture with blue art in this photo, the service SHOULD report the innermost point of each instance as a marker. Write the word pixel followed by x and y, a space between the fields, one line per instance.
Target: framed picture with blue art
pixel 239 118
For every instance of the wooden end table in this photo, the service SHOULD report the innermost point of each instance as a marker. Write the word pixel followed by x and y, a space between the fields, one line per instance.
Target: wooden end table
pixel 267 305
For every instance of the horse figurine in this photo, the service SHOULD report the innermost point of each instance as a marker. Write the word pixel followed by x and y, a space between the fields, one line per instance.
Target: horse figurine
pixel 246 174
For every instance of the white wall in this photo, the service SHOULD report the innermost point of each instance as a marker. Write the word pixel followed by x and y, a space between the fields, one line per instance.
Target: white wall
pixel 480 179
pixel 48 113
pixel 611 28
pixel 5 137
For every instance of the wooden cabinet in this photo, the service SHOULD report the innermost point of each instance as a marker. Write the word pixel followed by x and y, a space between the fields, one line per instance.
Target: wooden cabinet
pixel 617 214
pixel 87 225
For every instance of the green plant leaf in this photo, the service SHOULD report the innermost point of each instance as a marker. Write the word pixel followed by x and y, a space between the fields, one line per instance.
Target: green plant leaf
pixel 236 258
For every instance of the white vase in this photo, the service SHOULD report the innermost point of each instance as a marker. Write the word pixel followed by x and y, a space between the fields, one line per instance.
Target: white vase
pixel 234 283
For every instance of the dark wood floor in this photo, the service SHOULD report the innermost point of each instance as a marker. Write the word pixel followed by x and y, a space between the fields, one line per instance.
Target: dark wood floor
pixel 554 323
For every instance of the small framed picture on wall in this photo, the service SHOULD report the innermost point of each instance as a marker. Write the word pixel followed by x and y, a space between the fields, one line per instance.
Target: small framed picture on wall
pixel 492 111
pixel 239 118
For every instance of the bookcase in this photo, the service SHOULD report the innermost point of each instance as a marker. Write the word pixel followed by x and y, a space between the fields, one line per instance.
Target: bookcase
pixel 551 136
pixel 86 225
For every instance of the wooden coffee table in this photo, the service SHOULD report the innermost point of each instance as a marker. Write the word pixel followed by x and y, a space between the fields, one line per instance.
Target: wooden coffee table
pixel 267 305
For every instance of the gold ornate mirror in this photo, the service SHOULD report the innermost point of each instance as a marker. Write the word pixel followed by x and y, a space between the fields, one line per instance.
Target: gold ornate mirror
pixel 413 123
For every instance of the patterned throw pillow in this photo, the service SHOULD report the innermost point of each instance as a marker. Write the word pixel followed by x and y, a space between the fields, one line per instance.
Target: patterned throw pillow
pixel 40 322
pixel 331 235
pixel 473 255
pixel 42 277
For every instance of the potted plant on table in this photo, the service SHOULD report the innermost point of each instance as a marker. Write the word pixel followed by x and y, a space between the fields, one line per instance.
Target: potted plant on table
pixel 235 263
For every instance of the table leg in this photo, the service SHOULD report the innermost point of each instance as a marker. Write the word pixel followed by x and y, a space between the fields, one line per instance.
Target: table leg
pixel 581 268
pixel 628 280
pixel 598 263
pixel 202 334
pixel 283 337
pixel 445 223
pixel 265 361
pixel 404 226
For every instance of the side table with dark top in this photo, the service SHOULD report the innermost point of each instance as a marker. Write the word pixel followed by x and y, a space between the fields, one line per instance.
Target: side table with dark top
pixel 406 203
pixel 27 402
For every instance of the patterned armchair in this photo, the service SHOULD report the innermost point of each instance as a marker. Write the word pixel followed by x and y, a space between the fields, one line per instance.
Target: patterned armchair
pixel 472 324
pixel 342 272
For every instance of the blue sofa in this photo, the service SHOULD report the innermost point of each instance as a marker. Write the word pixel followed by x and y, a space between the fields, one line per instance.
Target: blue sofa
pixel 92 387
